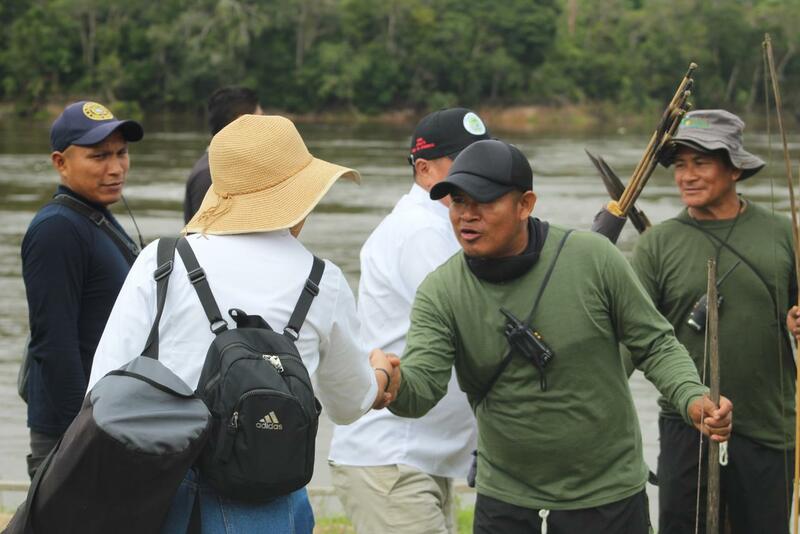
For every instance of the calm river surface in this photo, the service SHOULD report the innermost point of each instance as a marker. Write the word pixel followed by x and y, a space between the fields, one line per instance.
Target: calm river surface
pixel 570 192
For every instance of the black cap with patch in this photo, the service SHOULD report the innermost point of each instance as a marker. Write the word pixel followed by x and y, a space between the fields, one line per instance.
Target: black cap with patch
pixel 487 170
pixel 446 133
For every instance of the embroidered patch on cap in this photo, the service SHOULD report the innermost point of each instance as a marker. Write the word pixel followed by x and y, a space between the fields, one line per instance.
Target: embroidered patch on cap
pixel 473 124
pixel 422 144
pixel 692 122
pixel 97 112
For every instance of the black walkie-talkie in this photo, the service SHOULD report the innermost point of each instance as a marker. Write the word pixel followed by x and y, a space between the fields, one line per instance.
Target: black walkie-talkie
pixel 529 343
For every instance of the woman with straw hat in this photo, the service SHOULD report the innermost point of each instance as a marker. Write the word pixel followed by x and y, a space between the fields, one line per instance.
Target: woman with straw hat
pixel 264 185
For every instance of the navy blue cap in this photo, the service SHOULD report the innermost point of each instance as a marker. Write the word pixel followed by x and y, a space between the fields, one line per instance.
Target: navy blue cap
pixel 88 123
pixel 487 170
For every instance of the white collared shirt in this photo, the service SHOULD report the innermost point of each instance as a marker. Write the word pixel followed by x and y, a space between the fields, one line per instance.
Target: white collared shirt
pixel 261 274
pixel 414 239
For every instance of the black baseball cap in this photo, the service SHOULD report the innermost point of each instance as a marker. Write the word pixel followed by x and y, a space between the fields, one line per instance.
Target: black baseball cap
pixel 446 133
pixel 87 123
pixel 487 170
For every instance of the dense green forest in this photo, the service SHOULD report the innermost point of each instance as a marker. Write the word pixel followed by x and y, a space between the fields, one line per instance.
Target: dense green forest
pixel 377 55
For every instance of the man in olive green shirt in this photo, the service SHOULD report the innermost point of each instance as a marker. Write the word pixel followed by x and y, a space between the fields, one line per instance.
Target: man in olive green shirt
pixel 559 442
pixel 755 277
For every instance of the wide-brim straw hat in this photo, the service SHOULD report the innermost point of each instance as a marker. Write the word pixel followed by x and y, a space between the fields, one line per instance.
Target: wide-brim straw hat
pixel 708 130
pixel 263 178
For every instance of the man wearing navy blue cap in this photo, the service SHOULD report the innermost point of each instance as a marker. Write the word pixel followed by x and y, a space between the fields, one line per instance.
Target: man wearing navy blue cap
pixel 75 257
pixel 531 316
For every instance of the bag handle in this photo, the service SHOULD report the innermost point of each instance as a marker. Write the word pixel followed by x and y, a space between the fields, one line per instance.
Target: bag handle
pixel 164 258
pixel 509 354
pixel 310 290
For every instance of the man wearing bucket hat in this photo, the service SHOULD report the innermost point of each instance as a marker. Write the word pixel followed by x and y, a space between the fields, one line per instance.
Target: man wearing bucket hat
pixel 531 316
pixel 75 256
pixel 264 185
pixel 755 278
pixel 410 462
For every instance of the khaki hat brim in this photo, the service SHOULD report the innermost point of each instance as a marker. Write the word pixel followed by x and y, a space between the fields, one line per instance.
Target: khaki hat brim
pixel 275 208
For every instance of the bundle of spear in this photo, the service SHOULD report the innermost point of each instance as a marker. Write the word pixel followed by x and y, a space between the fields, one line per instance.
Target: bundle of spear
pixel 611 219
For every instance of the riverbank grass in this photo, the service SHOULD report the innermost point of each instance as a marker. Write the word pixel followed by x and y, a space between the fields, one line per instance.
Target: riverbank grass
pixel 329 525
pixel 341 525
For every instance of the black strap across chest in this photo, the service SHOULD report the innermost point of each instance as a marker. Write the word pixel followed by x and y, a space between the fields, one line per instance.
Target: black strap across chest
pixel 126 246
pixel 509 353
pixel 724 244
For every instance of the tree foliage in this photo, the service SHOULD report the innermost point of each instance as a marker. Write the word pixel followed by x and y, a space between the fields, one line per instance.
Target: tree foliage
pixel 374 55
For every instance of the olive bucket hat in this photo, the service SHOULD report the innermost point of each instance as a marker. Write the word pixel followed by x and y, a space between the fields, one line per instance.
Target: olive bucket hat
pixel 708 130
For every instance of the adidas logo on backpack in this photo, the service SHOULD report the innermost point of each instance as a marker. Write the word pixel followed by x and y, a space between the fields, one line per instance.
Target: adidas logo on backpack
pixel 269 422
pixel 250 371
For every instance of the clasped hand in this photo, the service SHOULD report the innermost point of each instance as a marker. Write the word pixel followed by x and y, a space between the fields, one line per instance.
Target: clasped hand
pixel 714 421
pixel 388 381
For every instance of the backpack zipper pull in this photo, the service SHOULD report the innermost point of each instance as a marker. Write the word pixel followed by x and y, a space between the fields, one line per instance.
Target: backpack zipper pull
pixel 233 424
pixel 275 361
pixel 224 452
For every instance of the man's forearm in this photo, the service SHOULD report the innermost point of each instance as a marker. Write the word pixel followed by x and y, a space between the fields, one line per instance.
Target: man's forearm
pixel 65 382
pixel 417 394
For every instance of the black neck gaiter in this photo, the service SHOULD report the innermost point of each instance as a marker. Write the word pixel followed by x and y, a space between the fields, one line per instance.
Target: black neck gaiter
pixel 499 270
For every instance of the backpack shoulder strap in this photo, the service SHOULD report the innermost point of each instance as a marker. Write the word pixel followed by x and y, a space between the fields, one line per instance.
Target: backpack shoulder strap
pixel 164 261
pixel 509 354
pixel 125 245
pixel 197 277
pixel 311 290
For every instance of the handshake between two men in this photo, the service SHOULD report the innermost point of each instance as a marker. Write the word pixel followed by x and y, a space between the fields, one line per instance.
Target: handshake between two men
pixel 715 421
pixel 387 372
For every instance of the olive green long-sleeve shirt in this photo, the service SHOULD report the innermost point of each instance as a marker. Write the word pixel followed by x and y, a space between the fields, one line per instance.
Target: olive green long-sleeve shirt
pixel 577 444
pixel 756 369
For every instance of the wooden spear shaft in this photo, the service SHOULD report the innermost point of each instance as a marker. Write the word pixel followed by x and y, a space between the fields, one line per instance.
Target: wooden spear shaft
pixel 796 238
pixel 640 174
pixel 712 329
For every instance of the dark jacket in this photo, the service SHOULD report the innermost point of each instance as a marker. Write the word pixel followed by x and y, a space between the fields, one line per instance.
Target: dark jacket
pixel 73 272
pixel 196 187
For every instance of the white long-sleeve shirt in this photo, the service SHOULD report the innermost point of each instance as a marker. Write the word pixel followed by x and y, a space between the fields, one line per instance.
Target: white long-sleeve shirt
pixel 261 274
pixel 406 246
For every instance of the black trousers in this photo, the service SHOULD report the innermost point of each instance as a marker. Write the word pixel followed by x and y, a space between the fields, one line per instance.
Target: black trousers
pixel 41 445
pixel 628 516
pixel 755 486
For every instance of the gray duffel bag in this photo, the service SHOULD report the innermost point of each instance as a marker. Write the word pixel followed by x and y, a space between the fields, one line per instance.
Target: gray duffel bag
pixel 119 464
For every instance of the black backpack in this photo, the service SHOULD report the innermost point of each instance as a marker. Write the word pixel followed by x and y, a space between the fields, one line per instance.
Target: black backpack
pixel 263 408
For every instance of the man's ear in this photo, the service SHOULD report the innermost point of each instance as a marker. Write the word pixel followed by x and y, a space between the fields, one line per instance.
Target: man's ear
pixel 527 201
pixel 421 168
pixel 58 160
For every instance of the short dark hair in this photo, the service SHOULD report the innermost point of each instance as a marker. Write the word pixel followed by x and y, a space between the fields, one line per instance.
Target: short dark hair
pixel 229 103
